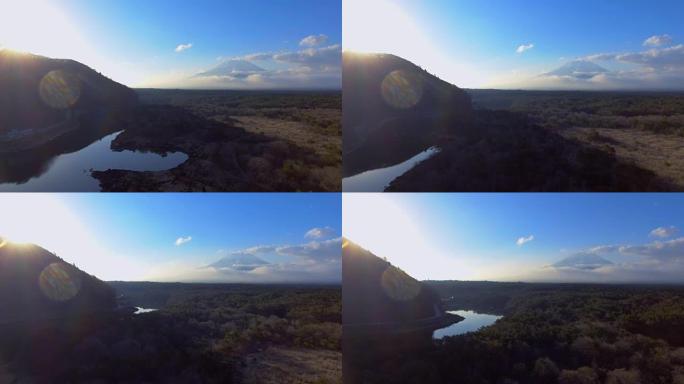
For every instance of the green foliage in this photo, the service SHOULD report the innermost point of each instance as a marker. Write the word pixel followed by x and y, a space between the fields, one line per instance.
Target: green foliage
pixel 555 333
pixel 200 334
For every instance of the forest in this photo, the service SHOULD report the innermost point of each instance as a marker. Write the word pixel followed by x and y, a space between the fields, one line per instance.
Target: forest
pixel 559 141
pixel 200 333
pixel 640 129
pixel 550 333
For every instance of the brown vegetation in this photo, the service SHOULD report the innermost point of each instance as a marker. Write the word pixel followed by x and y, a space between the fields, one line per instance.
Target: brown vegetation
pixel 232 143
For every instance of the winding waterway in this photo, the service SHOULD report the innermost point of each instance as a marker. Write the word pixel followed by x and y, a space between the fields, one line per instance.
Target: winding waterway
pixel 71 172
pixel 473 322
pixel 377 180
pixel 141 310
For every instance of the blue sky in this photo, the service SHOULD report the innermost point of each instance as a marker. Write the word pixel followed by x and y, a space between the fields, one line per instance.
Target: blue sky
pixel 174 237
pixel 137 42
pixel 524 236
pixel 507 44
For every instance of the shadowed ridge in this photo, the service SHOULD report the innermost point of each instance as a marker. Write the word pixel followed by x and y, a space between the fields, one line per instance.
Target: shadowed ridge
pixel 379 297
pixel 385 312
pixel 393 109
pixel 36 284
pixel 40 92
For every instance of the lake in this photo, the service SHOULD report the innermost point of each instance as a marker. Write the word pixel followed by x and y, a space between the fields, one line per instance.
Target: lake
pixel 140 310
pixel 473 321
pixel 377 180
pixel 69 169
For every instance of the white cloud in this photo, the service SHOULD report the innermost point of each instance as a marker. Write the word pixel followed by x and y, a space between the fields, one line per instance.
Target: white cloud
pixel 314 251
pixel 670 58
pixel 653 69
pixel 657 251
pixel 522 240
pixel 523 48
pixel 330 56
pixel 313 40
pixel 658 40
pixel 182 240
pixel 309 68
pixel 319 233
pixel 316 261
pixel 183 47
pixel 663 232
pixel 655 262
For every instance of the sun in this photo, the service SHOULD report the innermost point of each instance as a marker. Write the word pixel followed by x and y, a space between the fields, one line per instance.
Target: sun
pixel 52 221
pixel 376 26
pixel 38 27
pixel 390 230
pixel 385 26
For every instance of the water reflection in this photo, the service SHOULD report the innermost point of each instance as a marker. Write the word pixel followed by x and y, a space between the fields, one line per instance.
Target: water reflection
pixel 377 180
pixel 141 310
pixel 472 322
pixel 54 169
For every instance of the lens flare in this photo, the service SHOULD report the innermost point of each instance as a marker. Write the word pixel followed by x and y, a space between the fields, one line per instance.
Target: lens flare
pixel 59 283
pixel 3 242
pixel 398 285
pixel 402 89
pixel 59 89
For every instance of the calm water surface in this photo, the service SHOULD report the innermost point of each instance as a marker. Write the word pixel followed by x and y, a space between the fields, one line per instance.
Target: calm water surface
pixel 473 322
pixel 140 310
pixel 70 172
pixel 377 180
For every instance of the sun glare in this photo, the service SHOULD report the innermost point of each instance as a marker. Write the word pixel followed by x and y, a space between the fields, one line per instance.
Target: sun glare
pixel 376 26
pixel 392 231
pixel 40 27
pixel 37 26
pixel 47 221
pixel 382 26
pixel 28 219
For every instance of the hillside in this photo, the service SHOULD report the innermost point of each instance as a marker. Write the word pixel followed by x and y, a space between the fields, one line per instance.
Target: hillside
pixel 35 284
pixel 41 94
pixel 385 313
pixel 393 109
pixel 374 292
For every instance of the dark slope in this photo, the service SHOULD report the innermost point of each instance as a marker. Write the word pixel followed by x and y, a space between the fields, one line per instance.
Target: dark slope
pixel 385 313
pixel 38 91
pixel 393 109
pixel 383 297
pixel 36 285
pixel 509 153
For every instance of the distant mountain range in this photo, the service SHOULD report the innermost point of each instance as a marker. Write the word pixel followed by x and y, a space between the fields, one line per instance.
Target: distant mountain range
pixel 579 69
pixel 36 284
pixel 393 109
pixel 40 92
pixel 234 68
pixel 240 262
pixel 585 261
